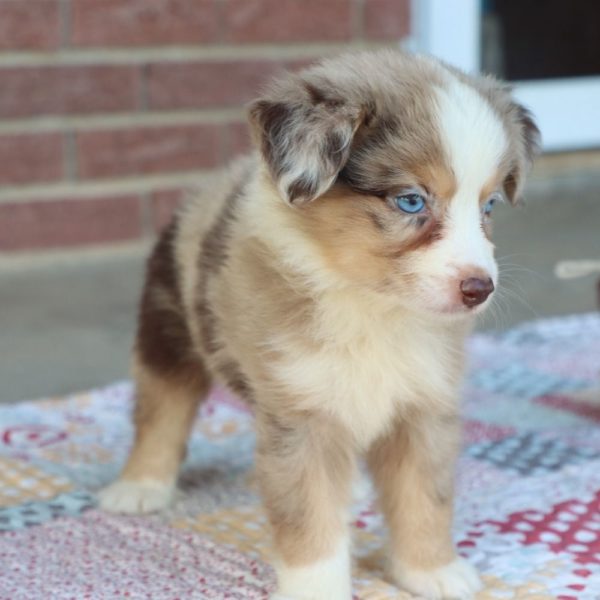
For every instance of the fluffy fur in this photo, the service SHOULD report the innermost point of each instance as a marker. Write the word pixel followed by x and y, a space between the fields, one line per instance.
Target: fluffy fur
pixel 300 283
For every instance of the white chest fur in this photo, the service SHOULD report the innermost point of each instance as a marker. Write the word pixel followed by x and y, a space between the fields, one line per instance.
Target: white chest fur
pixel 366 367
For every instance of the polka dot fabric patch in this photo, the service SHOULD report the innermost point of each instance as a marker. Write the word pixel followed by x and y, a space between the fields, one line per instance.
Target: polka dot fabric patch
pixel 101 556
pixel 527 505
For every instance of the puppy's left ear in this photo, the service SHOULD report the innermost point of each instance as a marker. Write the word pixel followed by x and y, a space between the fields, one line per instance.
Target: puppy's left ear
pixel 528 141
pixel 304 132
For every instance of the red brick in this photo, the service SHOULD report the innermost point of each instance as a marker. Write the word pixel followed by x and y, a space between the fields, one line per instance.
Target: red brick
pixel 207 84
pixel 69 222
pixel 387 19
pixel 238 141
pixel 29 25
pixel 287 20
pixel 33 91
pixel 30 158
pixel 144 22
pixel 164 204
pixel 125 152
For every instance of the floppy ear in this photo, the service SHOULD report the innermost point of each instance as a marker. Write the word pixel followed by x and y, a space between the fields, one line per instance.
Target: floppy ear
pixel 527 148
pixel 304 133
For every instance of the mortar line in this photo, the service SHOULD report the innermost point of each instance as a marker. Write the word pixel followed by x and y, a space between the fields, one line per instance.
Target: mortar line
pixel 358 20
pixel 136 184
pixel 70 156
pixel 146 215
pixel 148 118
pixel 210 53
pixel 143 94
pixel 66 23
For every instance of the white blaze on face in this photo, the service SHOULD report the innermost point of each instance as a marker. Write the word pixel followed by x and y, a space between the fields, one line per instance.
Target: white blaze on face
pixel 474 141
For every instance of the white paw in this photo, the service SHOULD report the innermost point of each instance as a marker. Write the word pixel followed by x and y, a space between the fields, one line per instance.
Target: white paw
pixel 325 579
pixel 457 580
pixel 135 497
pixel 322 595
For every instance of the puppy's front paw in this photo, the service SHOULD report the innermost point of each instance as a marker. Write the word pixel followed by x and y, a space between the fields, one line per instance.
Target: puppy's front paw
pixel 135 497
pixel 457 580
pixel 325 579
pixel 310 590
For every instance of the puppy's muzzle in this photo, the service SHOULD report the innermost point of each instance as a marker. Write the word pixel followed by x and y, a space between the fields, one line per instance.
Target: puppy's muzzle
pixel 475 291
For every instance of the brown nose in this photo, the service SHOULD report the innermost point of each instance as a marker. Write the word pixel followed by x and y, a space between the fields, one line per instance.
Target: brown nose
pixel 475 291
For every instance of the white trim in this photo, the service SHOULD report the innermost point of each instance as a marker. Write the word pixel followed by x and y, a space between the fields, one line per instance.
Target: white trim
pixel 449 30
pixel 567 111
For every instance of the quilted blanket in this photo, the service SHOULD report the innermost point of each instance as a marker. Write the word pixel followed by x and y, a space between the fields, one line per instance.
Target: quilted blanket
pixel 527 511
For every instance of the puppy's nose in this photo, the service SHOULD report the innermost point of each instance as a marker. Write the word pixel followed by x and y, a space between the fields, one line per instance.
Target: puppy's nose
pixel 475 291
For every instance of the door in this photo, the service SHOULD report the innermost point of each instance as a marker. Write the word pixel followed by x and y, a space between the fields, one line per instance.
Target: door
pixel 549 51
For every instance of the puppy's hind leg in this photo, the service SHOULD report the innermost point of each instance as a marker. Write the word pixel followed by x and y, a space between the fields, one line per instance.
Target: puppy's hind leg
pixel 171 380
pixel 164 414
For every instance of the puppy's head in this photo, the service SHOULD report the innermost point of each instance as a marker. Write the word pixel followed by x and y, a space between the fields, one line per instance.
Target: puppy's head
pixel 394 164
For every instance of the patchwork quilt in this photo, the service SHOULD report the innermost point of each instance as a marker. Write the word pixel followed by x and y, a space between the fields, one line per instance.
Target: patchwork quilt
pixel 527 513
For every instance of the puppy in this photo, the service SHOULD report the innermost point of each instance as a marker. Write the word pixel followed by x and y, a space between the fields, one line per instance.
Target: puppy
pixel 330 280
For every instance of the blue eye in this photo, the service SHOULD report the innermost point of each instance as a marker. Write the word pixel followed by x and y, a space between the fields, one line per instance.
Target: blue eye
pixel 489 205
pixel 411 203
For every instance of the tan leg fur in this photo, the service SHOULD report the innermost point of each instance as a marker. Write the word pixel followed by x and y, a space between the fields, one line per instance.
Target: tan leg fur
pixel 305 466
pixel 413 470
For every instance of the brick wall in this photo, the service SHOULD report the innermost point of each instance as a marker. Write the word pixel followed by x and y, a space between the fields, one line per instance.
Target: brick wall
pixel 109 108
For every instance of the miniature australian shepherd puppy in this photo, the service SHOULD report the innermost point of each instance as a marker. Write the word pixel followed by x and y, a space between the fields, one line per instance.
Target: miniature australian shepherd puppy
pixel 330 280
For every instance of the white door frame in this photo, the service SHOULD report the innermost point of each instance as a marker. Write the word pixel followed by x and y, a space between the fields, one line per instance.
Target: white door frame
pixel 567 110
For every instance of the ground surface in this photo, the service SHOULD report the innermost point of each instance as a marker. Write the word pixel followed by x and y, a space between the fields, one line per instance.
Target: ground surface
pixel 526 505
pixel 66 322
